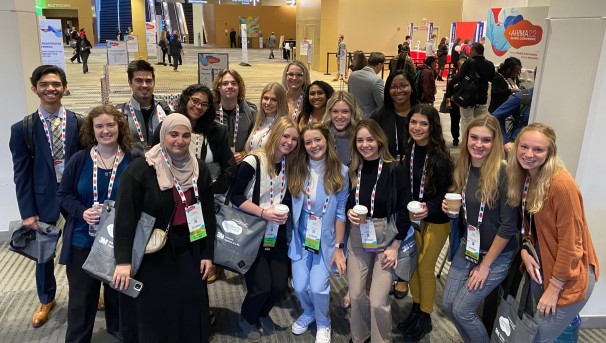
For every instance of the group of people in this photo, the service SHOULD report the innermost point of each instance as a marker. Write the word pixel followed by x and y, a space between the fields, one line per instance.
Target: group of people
pixel 324 157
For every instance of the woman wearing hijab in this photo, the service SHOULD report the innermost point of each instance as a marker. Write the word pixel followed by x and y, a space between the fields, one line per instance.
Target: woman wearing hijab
pixel 173 304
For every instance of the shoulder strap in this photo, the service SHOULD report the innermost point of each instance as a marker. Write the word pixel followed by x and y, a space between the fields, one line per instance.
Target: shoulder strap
pixel 524 101
pixel 257 188
pixel 165 106
pixel 28 133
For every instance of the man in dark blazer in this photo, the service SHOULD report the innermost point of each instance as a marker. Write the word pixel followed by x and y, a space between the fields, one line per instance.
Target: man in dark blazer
pixel 366 87
pixel 37 172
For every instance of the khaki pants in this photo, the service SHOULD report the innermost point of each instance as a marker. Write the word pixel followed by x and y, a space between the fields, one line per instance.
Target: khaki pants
pixel 370 314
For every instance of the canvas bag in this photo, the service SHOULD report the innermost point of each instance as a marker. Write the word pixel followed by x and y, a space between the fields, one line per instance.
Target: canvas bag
pixel 38 245
pixel 512 323
pixel 101 262
pixel 238 234
pixel 408 254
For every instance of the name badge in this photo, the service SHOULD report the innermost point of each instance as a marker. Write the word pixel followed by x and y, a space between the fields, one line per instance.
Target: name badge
pixel 195 222
pixel 59 167
pixel 472 250
pixel 369 236
pixel 271 235
pixel 312 234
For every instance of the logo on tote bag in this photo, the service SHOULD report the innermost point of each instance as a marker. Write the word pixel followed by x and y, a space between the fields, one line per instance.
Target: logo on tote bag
pixel 232 227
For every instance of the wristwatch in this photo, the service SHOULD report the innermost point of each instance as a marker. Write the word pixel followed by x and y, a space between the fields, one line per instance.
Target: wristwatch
pixel 339 245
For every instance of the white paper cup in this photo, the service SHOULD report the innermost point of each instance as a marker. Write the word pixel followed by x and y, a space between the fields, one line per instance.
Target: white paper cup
pixel 414 207
pixel 282 209
pixel 453 201
pixel 361 211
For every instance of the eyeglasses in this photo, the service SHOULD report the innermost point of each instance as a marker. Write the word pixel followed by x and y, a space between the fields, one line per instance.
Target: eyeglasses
pixel 198 103
pixel 295 75
pixel 401 87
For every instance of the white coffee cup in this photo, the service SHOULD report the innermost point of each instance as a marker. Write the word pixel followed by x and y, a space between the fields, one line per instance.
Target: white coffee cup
pixel 361 211
pixel 453 201
pixel 414 207
pixel 282 209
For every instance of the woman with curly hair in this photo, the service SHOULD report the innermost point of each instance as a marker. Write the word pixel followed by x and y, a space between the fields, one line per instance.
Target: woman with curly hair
pixel 314 103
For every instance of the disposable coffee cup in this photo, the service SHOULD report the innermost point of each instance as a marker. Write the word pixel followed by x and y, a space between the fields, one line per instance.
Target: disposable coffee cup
pixel 361 211
pixel 282 209
pixel 453 201
pixel 414 207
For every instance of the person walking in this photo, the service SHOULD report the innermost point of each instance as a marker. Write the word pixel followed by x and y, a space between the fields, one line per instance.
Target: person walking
pixel 176 50
pixel 85 52
pixel 271 43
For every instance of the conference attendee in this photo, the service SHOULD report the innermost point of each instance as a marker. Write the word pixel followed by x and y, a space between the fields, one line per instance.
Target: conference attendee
pixel 476 64
pixel 465 50
pixel 406 44
pixel 273 105
pixel 232 38
pixel 314 103
pixel 441 54
pixel 482 260
pixel 176 50
pixel 554 223
pixel 376 184
pixel 163 44
pixel 398 102
pixel 232 107
pixel 267 278
pixel 427 80
pixel 358 62
pixel 209 142
pixel 430 165
pixel 143 112
pixel 271 44
pixel 295 80
pixel 75 36
pixel 342 115
pixel 319 188
pixel 516 107
pixel 402 62
pixel 85 47
pixel 91 177
pixel 173 303
pixel 505 82
pixel 38 171
pixel 366 86
pixel 341 49
pixel 430 46
pixel 454 56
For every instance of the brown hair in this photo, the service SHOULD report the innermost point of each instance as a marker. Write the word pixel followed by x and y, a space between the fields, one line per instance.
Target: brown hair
pixel 87 132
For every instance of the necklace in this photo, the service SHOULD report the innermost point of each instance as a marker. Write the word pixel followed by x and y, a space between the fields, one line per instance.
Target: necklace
pixel 105 168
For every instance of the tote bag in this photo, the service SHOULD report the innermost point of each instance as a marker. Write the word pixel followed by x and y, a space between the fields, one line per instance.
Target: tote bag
pixel 513 324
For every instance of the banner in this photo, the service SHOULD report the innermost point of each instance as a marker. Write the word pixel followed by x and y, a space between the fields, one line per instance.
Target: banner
pixel 209 65
pixel 244 43
pixel 117 52
pixel 51 42
pixel 305 47
pixel 132 44
pixel 150 39
pixel 516 32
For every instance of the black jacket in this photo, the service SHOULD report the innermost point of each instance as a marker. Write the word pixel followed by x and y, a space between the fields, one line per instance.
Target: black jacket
pixel 484 68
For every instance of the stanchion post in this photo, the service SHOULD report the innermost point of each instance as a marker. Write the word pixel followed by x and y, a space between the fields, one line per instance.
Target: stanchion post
pixel 327 60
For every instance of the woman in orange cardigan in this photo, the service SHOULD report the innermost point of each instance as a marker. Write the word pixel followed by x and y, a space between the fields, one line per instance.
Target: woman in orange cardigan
pixel 554 221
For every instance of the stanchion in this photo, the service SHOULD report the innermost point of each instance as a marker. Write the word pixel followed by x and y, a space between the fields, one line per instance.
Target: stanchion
pixel 327 60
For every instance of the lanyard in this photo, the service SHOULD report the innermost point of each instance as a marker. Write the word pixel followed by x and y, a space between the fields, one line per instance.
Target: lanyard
pixel 283 182
pixel 524 196
pixel 422 186
pixel 482 203
pixel 236 124
pixel 63 125
pixel 111 179
pixel 197 144
pixel 298 108
pixel 194 181
pixel 265 134
pixel 161 116
pixel 374 189
pixel 308 193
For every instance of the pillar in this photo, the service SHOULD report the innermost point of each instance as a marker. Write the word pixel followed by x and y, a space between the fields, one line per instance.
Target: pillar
pixel 138 15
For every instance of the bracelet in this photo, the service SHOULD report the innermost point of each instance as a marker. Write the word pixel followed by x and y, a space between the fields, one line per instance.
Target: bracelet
pixel 487 268
pixel 262 213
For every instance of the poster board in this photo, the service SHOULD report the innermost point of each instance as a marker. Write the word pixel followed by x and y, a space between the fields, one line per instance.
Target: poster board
pixel 51 42
pixel 132 44
pixel 209 65
pixel 243 34
pixel 150 39
pixel 117 52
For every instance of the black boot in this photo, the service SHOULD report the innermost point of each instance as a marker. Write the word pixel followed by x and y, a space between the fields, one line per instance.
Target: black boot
pixel 411 319
pixel 421 328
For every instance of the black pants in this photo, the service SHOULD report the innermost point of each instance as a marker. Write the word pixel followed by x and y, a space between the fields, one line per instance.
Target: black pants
pixel 164 53
pixel 455 118
pixel 175 60
pixel 83 299
pixel 85 55
pixel 232 43
pixel 266 281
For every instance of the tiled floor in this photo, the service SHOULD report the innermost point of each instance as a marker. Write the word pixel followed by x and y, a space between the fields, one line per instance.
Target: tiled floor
pixel 17 283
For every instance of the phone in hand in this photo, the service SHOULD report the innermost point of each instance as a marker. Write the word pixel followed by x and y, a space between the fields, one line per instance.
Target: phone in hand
pixel 538 275
pixel 133 289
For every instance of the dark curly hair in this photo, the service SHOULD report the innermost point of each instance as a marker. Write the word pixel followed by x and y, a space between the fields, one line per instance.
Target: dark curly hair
pixel 307 107
pixel 437 152
pixel 87 132
pixel 206 124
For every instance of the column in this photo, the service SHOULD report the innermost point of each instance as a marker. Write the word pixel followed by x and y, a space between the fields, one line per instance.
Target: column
pixel 138 15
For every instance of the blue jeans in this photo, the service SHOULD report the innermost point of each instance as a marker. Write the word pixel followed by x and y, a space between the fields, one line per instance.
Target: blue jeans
pixel 310 278
pixel 460 304
pixel 515 132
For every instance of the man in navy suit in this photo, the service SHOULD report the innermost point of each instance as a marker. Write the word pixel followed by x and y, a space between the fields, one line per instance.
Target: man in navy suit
pixel 38 172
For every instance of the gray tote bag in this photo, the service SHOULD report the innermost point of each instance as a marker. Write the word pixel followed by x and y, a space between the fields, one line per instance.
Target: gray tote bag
pixel 38 245
pixel 513 324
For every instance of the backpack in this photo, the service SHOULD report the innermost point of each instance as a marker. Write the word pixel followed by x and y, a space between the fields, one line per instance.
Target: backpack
pixel 514 122
pixel 467 92
pixel 28 130
pixel 463 52
pixel 417 82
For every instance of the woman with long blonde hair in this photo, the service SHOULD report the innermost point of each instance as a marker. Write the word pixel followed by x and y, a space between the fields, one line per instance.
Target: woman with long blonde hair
pixel 567 268
pixel 319 187
pixel 273 105
pixel 342 115
pixel 295 80
pixel 482 259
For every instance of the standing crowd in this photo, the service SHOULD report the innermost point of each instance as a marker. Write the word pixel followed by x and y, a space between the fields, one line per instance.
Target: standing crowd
pixel 363 174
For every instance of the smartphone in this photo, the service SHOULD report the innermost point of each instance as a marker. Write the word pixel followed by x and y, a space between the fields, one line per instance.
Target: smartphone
pixel 538 274
pixel 133 289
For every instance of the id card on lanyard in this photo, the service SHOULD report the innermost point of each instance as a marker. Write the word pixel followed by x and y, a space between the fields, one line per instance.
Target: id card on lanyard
pixel 472 248
pixel 367 229
pixel 313 232
pixel 271 231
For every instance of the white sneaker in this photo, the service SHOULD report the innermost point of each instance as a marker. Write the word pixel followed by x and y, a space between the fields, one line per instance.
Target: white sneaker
pixel 301 325
pixel 323 334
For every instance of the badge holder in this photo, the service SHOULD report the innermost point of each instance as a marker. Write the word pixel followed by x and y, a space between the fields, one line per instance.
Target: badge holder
pixel 369 236
pixel 312 234
pixel 271 235
pixel 195 222
pixel 472 248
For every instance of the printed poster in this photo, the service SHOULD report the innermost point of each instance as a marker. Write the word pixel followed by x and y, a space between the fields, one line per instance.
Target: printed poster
pixel 117 52
pixel 252 26
pixel 132 43
pixel 516 32
pixel 210 65
pixel 51 42
pixel 150 39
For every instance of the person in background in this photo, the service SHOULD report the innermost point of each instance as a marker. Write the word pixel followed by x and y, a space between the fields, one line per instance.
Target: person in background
pixel 295 80
pixel 271 44
pixel 341 48
pixel 366 86
pixel 319 188
pixel 267 278
pixel 232 38
pixel 431 166
pixel 465 50
pixel 91 177
pixel 75 36
pixel 427 80
pixel 85 47
pixel 442 54
pixel 373 172
pixel 230 94
pixel 454 57
pixel 314 103
pixel 163 44
pixel 430 46
pixel 505 82
pixel 273 105
pixel 454 110
pixel 554 223
pixel 359 61
pixel 482 260
pixel 173 304
pixel 342 115
pixel 176 49
pixel 406 44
